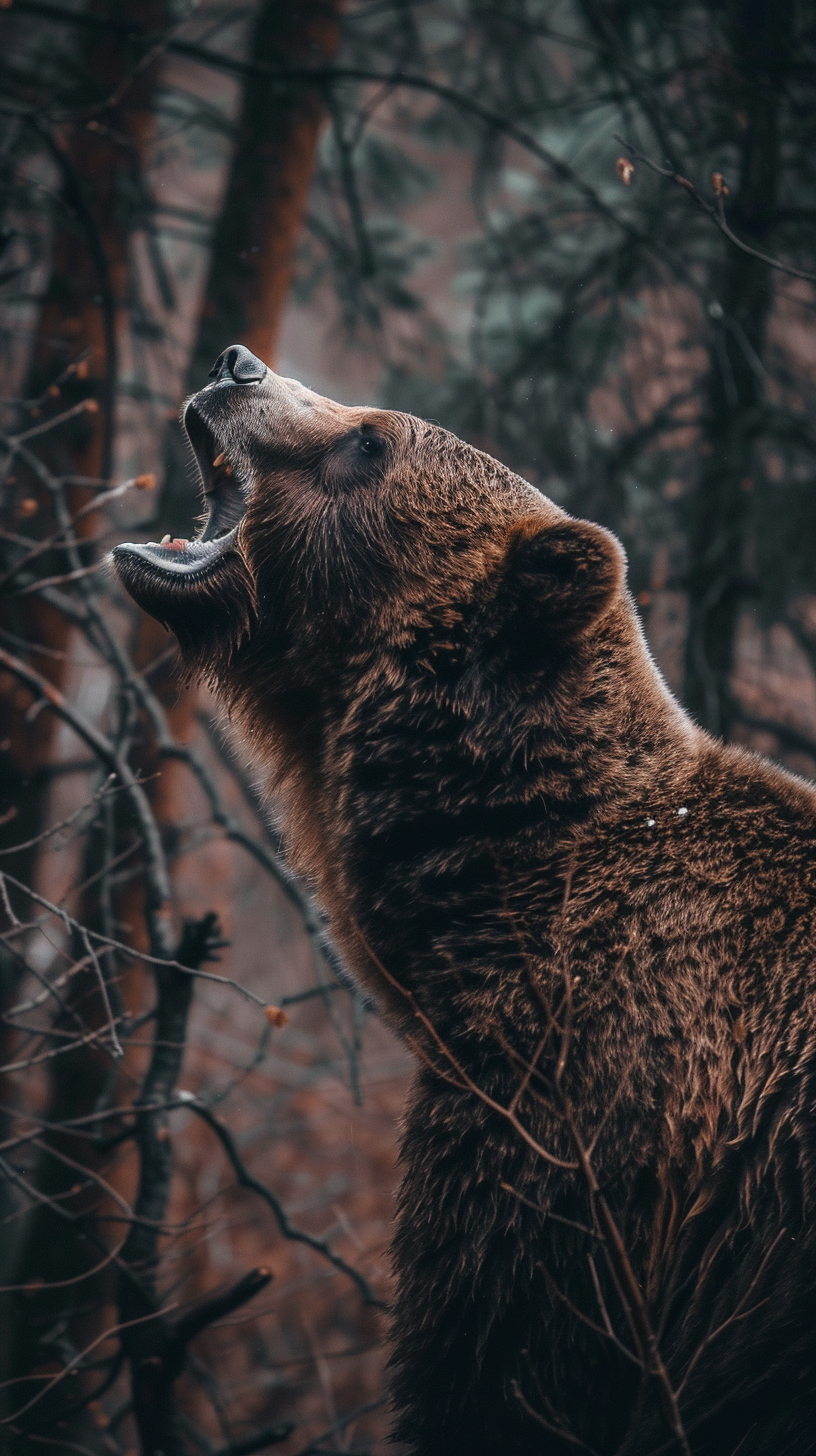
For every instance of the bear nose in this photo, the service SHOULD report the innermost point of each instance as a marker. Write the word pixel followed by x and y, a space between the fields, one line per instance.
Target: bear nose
pixel 238 364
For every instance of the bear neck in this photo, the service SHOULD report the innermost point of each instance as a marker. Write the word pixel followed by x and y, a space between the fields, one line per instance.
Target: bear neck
pixel 404 800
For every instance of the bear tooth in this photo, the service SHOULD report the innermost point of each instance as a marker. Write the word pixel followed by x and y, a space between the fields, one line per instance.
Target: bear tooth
pixel 165 539
pixel 219 459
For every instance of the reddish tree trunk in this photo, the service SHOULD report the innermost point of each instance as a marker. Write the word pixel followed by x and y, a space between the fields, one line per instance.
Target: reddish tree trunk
pixel 253 249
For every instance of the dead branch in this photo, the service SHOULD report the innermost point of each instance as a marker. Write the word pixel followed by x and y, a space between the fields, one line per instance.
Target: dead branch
pixel 289 1231
pixel 716 211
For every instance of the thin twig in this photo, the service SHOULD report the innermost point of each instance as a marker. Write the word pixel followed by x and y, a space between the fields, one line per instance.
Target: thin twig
pixel 288 1229
pixel 716 211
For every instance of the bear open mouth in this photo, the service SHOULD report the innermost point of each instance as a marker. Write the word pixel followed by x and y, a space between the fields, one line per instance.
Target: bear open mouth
pixel 224 496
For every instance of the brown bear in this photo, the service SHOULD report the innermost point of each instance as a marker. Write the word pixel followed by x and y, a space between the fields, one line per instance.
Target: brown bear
pixel 594 923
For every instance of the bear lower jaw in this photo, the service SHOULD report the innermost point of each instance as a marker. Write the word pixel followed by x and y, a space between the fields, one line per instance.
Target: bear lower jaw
pixel 194 559
pixel 225 499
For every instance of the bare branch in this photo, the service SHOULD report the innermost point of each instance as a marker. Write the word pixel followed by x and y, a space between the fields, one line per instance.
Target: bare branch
pixel 716 211
pixel 289 1231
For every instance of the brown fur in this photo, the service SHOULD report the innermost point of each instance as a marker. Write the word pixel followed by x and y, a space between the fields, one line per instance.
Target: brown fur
pixel 445 680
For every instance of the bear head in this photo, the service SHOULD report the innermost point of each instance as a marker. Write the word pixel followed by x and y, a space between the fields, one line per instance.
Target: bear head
pixel 333 533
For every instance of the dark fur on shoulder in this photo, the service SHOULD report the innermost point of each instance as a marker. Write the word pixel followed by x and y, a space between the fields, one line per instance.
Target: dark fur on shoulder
pixel 495 797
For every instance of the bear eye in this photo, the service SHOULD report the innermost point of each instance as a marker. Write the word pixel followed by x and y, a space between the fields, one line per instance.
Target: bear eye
pixel 355 460
pixel 370 443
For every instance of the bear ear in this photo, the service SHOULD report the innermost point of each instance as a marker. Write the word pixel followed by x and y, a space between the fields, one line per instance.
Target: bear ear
pixel 561 577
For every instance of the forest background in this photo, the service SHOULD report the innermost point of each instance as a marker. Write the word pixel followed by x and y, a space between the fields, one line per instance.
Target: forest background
pixel 583 236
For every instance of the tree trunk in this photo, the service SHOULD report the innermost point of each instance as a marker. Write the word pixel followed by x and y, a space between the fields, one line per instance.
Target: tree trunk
pixel 268 185
pixel 249 279
pixel 80 319
pixel 722 509
pixel 262 213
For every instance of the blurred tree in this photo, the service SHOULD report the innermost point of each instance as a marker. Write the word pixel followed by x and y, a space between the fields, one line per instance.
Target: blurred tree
pixel 94 122
pixel 621 348
pixel 269 179
pixel 59 85
pixel 259 222
pixel 92 119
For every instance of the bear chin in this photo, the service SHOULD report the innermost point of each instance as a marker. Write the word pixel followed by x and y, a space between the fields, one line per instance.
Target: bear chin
pixel 200 588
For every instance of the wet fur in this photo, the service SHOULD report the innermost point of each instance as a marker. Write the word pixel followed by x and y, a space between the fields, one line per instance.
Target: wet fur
pixel 445 680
